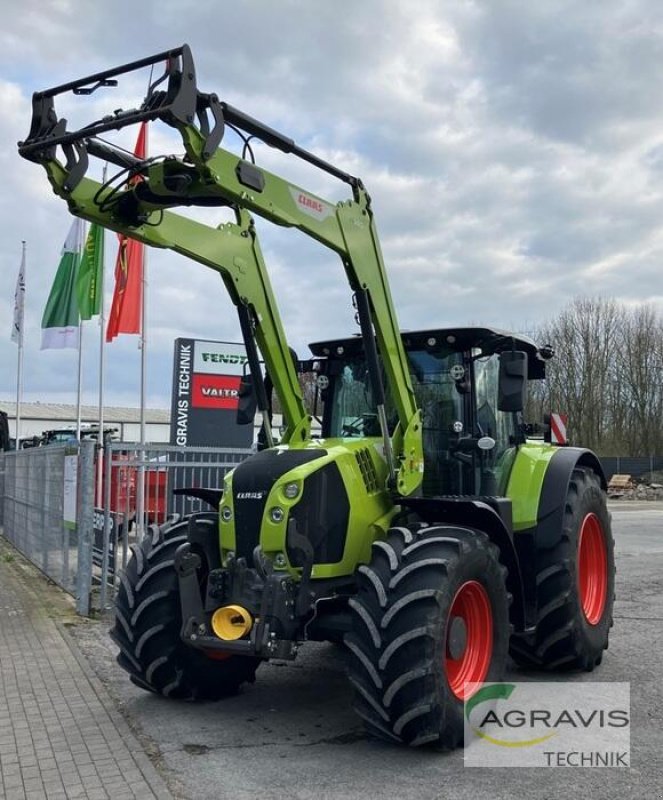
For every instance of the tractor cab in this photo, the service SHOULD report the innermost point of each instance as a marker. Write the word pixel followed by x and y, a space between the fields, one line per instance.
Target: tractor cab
pixel 470 386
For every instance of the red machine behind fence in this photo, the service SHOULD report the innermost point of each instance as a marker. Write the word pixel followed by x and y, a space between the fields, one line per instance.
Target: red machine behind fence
pixel 124 477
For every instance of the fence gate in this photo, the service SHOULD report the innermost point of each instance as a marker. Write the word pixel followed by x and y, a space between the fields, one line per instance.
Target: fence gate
pixel 134 489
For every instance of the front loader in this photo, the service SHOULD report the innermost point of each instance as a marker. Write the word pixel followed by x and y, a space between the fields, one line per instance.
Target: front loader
pixel 422 527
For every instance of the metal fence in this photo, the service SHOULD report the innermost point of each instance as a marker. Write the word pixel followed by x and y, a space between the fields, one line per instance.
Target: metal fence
pixel 640 467
pixel 136 489
pixel 115 499
pixel 74 510
pixel 34 484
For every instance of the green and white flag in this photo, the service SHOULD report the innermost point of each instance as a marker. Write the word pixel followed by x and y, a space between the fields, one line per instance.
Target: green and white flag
pixel 88 283
pixel 60 323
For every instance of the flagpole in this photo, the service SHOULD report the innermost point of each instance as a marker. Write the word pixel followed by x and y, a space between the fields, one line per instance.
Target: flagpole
pixel 102 326
pixel 127 315
pixel 140 499
pixel 19 388
pixel 80 346
pixel 143 349
pixel 143 335
pixel 19 365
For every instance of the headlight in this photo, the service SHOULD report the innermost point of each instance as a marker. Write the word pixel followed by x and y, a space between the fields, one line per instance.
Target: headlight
pixel 276 514
pixel 291 490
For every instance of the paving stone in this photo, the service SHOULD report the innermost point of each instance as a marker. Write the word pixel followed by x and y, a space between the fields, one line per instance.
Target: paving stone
pixel 37 795
pixel 60 735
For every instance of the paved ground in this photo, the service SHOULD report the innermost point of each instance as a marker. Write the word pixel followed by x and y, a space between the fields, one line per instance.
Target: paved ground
pixel 293 735
pixel 60 733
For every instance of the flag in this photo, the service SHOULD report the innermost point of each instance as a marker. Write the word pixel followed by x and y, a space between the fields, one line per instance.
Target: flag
pixel 89 280
pixel 125 313
pixel 19 303
pixel 126 309
pixel 59 325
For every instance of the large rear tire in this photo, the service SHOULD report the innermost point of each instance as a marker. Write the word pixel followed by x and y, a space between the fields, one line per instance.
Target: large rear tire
pixel 575 584
pixel 431 614
pixel 147 628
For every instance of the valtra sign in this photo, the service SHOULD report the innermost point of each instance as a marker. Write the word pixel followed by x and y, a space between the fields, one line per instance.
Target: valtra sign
pixel 206 378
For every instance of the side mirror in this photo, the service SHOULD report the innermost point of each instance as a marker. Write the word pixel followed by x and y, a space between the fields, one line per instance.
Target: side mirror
pixel 512 392
pixel 248 401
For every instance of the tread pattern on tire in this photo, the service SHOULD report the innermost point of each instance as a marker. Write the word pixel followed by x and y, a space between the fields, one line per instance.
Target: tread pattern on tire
pixel 394 657
pixel 563 639
pixel 147 627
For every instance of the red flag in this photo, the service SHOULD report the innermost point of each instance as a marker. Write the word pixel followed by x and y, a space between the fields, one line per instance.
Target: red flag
pixel 126 309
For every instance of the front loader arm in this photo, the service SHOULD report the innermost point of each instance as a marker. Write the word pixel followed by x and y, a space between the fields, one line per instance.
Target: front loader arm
pixel 232 250
pixel 211 175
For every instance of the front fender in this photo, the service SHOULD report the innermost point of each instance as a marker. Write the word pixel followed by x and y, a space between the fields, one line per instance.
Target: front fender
pixel 538 487
pixel 555 488
pixel 539 480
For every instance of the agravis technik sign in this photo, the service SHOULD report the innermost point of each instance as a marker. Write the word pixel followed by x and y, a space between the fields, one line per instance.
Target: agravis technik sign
pixel 206 378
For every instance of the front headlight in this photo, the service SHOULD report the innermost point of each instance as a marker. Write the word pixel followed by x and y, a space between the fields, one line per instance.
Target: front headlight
pixel 276 514
pixel 291 490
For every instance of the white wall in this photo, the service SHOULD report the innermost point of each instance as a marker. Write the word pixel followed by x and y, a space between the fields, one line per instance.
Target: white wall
pixel 126 431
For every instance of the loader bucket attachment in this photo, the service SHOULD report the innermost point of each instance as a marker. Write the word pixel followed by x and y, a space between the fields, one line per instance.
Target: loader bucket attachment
pixel 172 97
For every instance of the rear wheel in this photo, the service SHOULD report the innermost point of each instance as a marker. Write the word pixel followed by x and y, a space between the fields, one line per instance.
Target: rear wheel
pixel 147 628
pixel 575 583
pixel 431 616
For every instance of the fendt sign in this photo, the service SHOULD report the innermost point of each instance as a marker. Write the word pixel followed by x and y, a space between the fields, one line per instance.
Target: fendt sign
pixel 206 378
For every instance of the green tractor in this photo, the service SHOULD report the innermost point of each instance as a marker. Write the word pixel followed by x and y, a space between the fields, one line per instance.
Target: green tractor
pixel 422 527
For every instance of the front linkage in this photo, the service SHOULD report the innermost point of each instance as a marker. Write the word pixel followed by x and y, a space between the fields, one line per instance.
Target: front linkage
pixel 270 607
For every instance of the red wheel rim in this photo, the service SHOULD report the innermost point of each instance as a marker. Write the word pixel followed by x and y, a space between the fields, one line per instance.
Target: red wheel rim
pixel 471 605
pixel 215 655
pixel 592 569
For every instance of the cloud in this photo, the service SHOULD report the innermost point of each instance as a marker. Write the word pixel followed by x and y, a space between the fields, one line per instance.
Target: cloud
pixel 512 152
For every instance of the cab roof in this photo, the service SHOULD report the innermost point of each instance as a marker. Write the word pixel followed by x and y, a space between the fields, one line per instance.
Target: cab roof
pixel 488 340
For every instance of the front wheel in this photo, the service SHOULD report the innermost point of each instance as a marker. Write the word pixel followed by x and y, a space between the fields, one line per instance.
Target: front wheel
pixel 147 626
pixel 431 617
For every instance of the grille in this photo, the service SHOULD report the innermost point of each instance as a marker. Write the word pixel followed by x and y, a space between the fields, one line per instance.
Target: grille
pixel 254 478
pixel 322 516
pixel 368 472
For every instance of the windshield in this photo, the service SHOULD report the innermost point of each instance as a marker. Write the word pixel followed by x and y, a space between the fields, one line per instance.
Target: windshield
pixel 61 436
pixel 458 396
pixel 353 412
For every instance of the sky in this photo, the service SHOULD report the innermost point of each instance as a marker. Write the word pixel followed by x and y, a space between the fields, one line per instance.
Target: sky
pixel 513 152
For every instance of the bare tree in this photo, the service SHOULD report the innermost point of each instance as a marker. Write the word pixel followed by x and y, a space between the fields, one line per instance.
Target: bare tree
pixel 584 337
pixel 639 374
pixel 607 376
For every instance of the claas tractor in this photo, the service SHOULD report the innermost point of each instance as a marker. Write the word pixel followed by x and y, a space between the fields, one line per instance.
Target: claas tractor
pixel 423 527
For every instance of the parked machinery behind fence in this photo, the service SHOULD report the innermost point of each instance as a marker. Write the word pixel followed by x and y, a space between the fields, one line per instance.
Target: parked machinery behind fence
pixel 5 438
pixel 423 529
